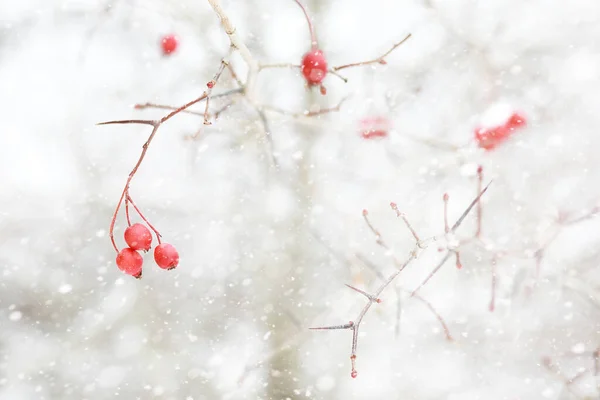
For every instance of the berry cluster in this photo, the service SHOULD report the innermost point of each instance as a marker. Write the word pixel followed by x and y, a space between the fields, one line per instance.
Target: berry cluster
pixel 139 238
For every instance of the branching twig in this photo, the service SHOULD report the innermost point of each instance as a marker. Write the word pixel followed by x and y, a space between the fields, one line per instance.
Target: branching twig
pixel 373 297
pixel 378 60
pixel 306 113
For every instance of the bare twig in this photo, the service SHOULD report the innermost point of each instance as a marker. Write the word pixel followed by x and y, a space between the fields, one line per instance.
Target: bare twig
pixel 408 225
pixel 466 212
pixel 355 325
pixel 437 315
pixel 494 283
pixel 432 273
pixel 238 44
pixel 479 205
pixel 306 113
pixel 211 84
pixel 268 137
pixel 378 60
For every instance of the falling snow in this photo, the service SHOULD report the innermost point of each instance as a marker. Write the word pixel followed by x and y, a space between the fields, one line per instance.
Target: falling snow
pixel 265 252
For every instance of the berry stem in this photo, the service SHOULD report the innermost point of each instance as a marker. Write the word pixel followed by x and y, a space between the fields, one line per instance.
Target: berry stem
pixel 128 199
pixel 479 206
pixel 313 38
pixel 212 83
pixel 127 210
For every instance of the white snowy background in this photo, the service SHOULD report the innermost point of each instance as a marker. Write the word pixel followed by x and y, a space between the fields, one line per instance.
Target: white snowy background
pixel 265 254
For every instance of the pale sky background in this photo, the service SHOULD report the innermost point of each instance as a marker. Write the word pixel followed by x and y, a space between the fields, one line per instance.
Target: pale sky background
pixel 265 254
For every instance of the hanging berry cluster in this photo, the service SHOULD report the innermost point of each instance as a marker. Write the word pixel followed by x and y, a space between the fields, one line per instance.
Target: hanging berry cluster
pixel 139 238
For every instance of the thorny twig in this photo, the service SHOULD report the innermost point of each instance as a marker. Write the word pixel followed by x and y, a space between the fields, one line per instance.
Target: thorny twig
pixel 246 89
pixel 374 297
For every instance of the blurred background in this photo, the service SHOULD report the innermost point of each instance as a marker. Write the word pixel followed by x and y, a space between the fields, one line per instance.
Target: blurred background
pixel 507 85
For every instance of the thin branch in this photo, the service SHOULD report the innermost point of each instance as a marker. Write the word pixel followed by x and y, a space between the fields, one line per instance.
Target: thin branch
pixel 238 44
pixel 473 203
pixel 408 225
pixel 313 38
pixel 128 199
pixel 211 84
pixel 349 325
pixel 432 273
pixel 306 113
pixel 143 106
pixel 446 226
pixel 479 205
pixel 494 283
pixel 378 60
pixel 297 66
pixel 127 211
pixel 367 295
pixel 280 65
pixel 437 315
pixel 269 137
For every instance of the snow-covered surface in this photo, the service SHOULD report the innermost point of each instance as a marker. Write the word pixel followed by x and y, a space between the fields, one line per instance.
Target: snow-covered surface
pixel 231 322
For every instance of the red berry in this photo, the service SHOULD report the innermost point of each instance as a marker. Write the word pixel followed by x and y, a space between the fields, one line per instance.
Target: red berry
pixel 374 127
pixel 314 67
pixel 169 44
pixel 374 133
pixel 130 262
pixel 490 138
pixel 138 237
pixel 166 256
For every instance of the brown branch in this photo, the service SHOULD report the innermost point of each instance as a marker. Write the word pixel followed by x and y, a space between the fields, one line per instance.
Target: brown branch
pixel 378 60
pixel 155 125
pixel 143 106
pixel 305 113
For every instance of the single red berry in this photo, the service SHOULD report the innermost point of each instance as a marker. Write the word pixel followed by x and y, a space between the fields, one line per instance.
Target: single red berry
pixel 374 134
pixel 374 127
pixel 490 138
pixel 516 121
pixel 130 262
pixel 314 66
pixel 354 374
pixel 169 44
pixel 138 237
pixel 166 256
